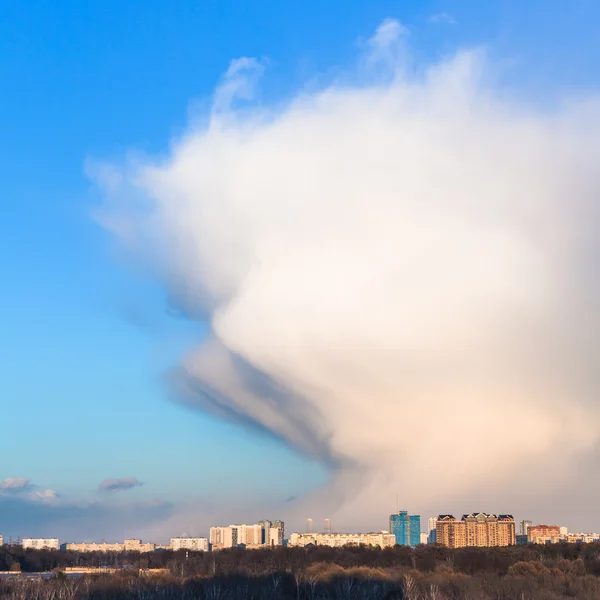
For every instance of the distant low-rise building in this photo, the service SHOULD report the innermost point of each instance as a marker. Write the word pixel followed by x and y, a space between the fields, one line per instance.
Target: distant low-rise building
pixel 521 540
pixel 424 537
pixel 382 539
pixel 188 543
pixel 134 545
pixel 40 544
pixel 93 547
pixel 581 538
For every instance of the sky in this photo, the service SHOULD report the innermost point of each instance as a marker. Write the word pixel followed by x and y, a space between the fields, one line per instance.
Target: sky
pixel 154 383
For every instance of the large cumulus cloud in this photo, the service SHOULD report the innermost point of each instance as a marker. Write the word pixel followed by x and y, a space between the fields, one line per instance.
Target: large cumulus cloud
pixel 400 274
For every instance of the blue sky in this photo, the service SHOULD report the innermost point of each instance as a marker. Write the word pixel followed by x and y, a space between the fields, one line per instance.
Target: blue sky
pixel 85 337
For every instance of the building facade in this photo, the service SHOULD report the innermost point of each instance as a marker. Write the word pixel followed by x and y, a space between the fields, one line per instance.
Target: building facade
pixel 187 543
pixel 476 530
pixel 524 527
pixel 543 534
pixel 134 545
pixel 336 540
pixel 406 528
pixel 431 531
pixel 264 533
pixel 93 547
pixel 41 544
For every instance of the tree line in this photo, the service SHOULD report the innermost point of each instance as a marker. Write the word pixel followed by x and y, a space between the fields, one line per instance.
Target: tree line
pixel 432 572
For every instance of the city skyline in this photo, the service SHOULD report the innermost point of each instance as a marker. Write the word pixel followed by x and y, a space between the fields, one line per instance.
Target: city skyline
pixel 271 258
pixel 482 530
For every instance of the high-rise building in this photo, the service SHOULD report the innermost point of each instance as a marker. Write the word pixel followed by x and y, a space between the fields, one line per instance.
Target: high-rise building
pixel 406 528
pixel 431 531
pixel 476 529
pixel 524 526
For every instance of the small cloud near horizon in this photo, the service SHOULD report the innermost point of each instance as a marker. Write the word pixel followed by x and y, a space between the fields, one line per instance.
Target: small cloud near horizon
pixel 12 484
pixel 119 485
pixel 442 17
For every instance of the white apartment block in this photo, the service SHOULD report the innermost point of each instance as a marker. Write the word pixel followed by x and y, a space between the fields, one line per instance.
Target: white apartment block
pixel 94 547
pixel 133 545
pixel 40 544
pixel 221 537
pixel 259 535
pixel 1 540
pixel 382 539
pixel 183 543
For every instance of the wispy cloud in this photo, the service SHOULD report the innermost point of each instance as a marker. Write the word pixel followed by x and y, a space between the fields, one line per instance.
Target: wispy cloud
pixel 238 83
pixel 442 17
pixel 29 509
pixel 22 487
pixel 387 33
pixel 119 485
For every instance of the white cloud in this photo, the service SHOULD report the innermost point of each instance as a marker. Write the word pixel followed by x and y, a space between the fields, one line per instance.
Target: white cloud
pixel 443 17
pixel 14 483
pixel 400 280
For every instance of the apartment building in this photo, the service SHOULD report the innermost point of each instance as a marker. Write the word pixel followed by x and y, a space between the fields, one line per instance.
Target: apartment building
pixel 543 534
pixel 134 545
pixel 475 530
pixel 187 543
pixel 40 544
pixel 335 540
pixel 259 535
pixel 93 547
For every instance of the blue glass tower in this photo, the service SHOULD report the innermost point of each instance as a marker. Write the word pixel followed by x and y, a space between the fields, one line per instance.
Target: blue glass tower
pixel 406 528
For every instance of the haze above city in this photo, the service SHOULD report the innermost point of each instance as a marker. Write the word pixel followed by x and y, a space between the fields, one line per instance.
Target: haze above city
pixel 287 260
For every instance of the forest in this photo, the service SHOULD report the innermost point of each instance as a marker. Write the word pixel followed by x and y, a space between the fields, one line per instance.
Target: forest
pixel 431 572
